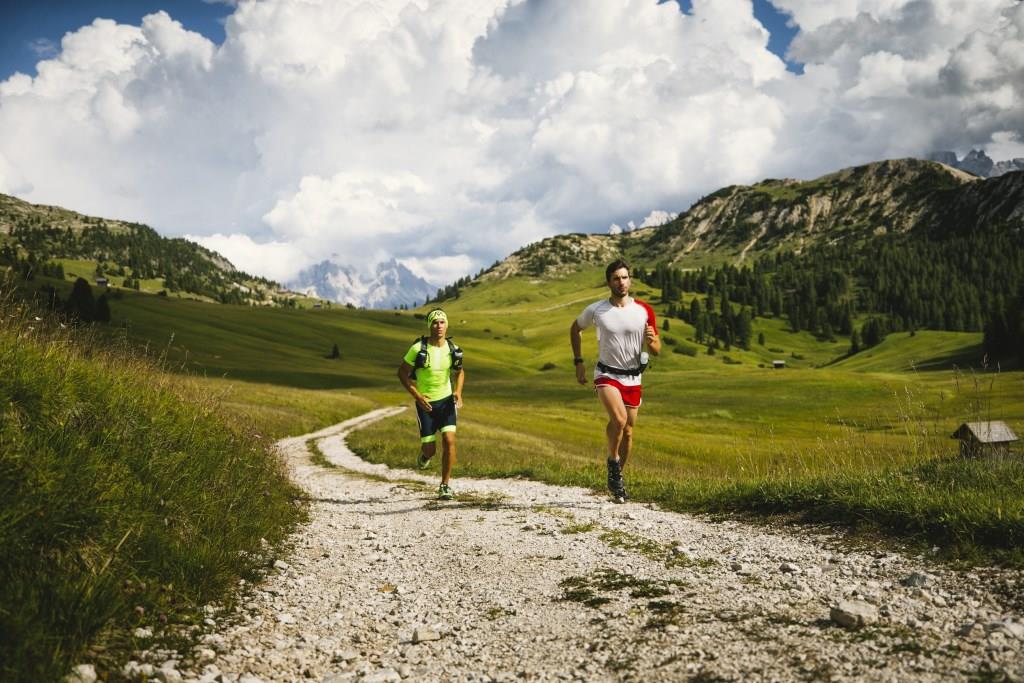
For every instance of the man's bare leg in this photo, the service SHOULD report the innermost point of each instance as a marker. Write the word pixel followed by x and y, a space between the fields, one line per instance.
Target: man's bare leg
pixel 626 444
pixel 618 418
pixel 428 449
pixel 447 455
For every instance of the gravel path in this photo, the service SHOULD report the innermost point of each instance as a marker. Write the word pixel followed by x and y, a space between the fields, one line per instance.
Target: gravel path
pixel 518 580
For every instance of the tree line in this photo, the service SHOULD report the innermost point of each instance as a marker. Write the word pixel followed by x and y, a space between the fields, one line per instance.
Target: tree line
pixel 959 282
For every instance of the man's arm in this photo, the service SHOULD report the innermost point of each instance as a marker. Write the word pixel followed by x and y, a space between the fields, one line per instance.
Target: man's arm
pixel 460 380
pixel 576 342
pixel 653 340
pixel 405 377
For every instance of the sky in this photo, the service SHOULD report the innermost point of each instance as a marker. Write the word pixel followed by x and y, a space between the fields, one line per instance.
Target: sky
pixel 448 133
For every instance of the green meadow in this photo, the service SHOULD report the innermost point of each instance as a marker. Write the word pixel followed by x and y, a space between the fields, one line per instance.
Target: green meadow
pixel 861 440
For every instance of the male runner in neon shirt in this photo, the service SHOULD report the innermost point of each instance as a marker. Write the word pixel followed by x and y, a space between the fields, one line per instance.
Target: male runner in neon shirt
pixel 437 400
pixel 624 325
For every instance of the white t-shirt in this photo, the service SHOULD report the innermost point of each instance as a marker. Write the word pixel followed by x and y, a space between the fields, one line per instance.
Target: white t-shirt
pixel 620 335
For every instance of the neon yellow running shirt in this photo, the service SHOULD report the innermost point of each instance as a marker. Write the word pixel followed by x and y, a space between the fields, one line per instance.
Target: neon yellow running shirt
pixel 434 380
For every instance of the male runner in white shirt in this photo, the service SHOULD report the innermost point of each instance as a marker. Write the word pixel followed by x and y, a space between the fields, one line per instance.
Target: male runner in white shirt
pixel 624 325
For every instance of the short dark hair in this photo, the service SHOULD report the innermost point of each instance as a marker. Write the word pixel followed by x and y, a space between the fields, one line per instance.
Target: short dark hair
pixel 613 266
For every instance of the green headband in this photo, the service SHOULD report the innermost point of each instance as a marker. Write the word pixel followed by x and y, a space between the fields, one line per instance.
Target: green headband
pixel 434 315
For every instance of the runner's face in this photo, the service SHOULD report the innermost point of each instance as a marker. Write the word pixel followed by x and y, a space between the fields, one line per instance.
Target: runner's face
pixel 438 328
pixel 618 283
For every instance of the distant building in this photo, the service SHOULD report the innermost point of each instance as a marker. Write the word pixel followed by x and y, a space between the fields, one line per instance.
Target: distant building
pixel 778 364
pixel 984 438
pixel 318 305
pixel 101 281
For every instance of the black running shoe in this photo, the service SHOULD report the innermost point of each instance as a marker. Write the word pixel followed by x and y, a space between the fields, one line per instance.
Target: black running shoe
pixel 615 484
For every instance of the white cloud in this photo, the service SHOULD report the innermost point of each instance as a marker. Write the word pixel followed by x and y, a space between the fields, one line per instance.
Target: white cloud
pixel 42 47
pixel 443 269
pixel 275 260
pixel 447 134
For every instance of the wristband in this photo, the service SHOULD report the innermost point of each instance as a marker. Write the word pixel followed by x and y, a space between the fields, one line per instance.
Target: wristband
pixel 577 360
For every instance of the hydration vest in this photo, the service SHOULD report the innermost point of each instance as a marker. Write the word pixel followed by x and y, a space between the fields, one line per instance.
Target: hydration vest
pixel 421 356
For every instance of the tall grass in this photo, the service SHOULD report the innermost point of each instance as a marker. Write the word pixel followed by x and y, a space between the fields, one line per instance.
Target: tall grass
pixel 127 499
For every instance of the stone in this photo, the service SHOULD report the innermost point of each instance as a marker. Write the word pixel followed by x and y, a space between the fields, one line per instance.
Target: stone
pixel 285 618
pixel 215 641
pixel 281 564
pixel 422 634
pixel 789 568
pixel 249 678
pixel 82 673
pixel 971 630
pixel 853 613
pixel 142 633
pixel 347 677
pixel 918 580
pixel 346 655
pixel 167 674
pixel 382 676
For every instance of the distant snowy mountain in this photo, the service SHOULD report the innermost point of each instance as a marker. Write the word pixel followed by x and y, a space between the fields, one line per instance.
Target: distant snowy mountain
pixel 978 163
pixel 391 285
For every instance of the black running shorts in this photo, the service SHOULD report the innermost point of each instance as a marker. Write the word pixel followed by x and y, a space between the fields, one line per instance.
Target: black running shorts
pixel 441 418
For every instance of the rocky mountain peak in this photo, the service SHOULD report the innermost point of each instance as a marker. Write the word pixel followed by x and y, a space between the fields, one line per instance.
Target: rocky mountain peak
pixel 391 284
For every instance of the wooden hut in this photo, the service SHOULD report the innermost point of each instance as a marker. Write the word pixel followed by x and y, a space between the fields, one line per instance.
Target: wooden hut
pixel 984 438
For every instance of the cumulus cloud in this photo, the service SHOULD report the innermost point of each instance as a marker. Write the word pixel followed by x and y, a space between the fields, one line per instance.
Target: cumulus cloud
pixel 269 259
pixel 447 134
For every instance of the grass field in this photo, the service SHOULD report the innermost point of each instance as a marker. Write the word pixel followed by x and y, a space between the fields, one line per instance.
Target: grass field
pixel 851 439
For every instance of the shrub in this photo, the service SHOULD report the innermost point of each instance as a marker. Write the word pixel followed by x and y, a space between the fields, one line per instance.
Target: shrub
pixel 685 349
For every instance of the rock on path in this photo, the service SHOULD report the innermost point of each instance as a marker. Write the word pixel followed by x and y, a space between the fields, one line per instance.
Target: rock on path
pixel 519 580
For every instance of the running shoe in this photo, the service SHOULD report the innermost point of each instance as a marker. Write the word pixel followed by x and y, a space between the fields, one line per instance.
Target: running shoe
pixel 444 492
pixel 422 461
pixel 616 486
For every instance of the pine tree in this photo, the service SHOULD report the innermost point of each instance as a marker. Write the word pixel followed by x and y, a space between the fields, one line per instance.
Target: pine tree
pixel 80 304
pixel 102 309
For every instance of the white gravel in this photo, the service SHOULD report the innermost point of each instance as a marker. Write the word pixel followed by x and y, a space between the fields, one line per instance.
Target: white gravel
pixel 386 584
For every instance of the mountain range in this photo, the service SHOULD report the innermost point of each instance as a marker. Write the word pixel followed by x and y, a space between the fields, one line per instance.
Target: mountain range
pixel 391 285
pixel 978 163
pixel 854 205
pixel 732 225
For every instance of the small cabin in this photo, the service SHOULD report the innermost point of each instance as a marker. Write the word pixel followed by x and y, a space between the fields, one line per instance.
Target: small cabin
pixel 318 305
pixel 779 364
pixel 101 281
pixel 984 438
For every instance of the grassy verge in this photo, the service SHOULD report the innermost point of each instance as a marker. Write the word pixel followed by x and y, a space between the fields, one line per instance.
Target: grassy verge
pixel 128 499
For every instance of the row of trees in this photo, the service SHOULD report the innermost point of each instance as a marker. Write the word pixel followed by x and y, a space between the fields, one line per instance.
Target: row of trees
pixel 962 282
pixel 81 305
pixel 138 253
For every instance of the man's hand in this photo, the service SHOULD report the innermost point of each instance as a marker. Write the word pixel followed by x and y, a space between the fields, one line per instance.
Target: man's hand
pixel 458 400
pixel 581 373
pixel 424 403
pixel 649 334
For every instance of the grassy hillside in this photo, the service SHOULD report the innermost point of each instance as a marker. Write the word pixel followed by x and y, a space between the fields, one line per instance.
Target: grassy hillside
pixel 128 499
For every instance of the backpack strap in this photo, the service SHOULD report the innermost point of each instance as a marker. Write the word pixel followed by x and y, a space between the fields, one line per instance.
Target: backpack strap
pixel 421 358
pixel 456 355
